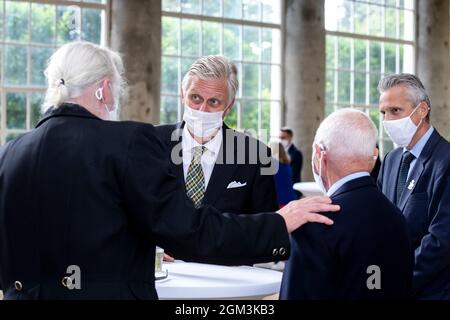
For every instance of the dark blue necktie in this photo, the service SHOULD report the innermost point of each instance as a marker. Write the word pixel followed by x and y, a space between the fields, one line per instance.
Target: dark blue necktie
pixel 407 158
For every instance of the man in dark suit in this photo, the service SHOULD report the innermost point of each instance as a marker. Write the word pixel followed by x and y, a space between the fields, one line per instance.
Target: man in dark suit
pixel 234 167
pixel 234 186
pixel 366 253
pixel 84 202
pixel 286 138
pixel 416 177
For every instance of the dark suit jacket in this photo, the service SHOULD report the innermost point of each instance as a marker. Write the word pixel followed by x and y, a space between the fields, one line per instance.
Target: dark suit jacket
pixel 331 262
pixel 296 163
pixel 258 195
pixel 426 207
pixel 100 195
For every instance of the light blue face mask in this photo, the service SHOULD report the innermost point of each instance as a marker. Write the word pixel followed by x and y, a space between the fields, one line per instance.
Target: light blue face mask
pixel 318 177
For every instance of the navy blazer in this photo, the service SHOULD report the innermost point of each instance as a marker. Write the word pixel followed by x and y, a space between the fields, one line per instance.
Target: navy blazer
pixel 100 195
pixel 425 203
pixel 257 194
pixel 331 262
pixel 296 163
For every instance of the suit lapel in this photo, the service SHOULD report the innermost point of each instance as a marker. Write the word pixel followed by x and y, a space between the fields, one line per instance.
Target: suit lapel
pixel 418 168
pixel 391 179
pixel 221 174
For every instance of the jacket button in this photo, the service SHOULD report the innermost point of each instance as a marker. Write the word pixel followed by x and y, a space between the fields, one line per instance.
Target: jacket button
pixel 18 285
pixel 282 251
pixel 275 252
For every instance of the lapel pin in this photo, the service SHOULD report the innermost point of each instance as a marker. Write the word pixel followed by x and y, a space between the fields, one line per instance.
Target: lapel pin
pixel 411 185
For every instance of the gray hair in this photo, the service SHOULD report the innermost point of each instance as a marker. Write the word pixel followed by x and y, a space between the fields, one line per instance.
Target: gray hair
pixel 412 83
pixel 79 65
pixel 213 67
pixel 348 134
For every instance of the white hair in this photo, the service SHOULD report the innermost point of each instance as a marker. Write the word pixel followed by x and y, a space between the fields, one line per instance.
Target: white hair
pixel 79 65
pixel 213 67
pixel 347 134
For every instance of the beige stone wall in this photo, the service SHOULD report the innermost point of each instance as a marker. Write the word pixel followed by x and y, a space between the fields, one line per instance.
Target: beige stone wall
pixel 304 73
pixel 136 33
pixel 433 59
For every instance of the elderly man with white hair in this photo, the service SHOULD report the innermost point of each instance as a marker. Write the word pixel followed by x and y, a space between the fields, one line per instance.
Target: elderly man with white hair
pixel 366 253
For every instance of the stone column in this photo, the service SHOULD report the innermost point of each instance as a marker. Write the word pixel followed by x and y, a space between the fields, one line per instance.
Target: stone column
pixel 304 69
pixel 136 34
pixel 433 59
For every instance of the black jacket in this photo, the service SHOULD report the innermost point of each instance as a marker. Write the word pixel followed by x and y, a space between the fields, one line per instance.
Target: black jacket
pixel 100 195
pixel 334 262
pixel 257 193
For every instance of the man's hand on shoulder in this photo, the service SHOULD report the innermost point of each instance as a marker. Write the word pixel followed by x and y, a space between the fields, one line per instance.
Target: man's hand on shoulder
pixel 297 213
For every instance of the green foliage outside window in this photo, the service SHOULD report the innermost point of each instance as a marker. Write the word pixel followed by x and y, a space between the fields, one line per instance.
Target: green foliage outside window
pixel 29 34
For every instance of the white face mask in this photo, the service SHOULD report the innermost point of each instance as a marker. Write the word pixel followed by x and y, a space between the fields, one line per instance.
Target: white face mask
pixel 202 124
pixel 113 115
pixel 401 131
pixel 285 143
pixel 318 177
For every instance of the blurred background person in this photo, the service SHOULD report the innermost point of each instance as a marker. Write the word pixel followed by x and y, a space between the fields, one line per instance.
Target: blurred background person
pixel 286 138
pixel 283 177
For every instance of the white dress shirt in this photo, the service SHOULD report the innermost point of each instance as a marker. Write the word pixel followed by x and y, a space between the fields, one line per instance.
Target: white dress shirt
pixel 209 156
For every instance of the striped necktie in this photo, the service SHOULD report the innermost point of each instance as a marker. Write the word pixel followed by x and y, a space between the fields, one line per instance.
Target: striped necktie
pixel 195 180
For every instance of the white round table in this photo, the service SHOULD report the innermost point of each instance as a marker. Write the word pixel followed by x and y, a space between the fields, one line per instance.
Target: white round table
pixel 188 280
pixel 308 188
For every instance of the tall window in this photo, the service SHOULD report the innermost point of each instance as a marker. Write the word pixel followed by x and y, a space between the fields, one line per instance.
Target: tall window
pixel 365 41
pixel 246 31
pixel 30 31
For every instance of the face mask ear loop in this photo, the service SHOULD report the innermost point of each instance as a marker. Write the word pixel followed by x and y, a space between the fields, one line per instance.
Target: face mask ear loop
pixel 99 96
pixel 421 119
pixel 323 151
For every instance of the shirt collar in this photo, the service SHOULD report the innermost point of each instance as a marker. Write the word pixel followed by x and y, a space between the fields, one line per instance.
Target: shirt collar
pixel 189 143
pixel 344 180
pixel 418 147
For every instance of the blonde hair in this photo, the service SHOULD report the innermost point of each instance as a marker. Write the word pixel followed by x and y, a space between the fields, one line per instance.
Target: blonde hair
pixel 79 65
pixel 279 153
